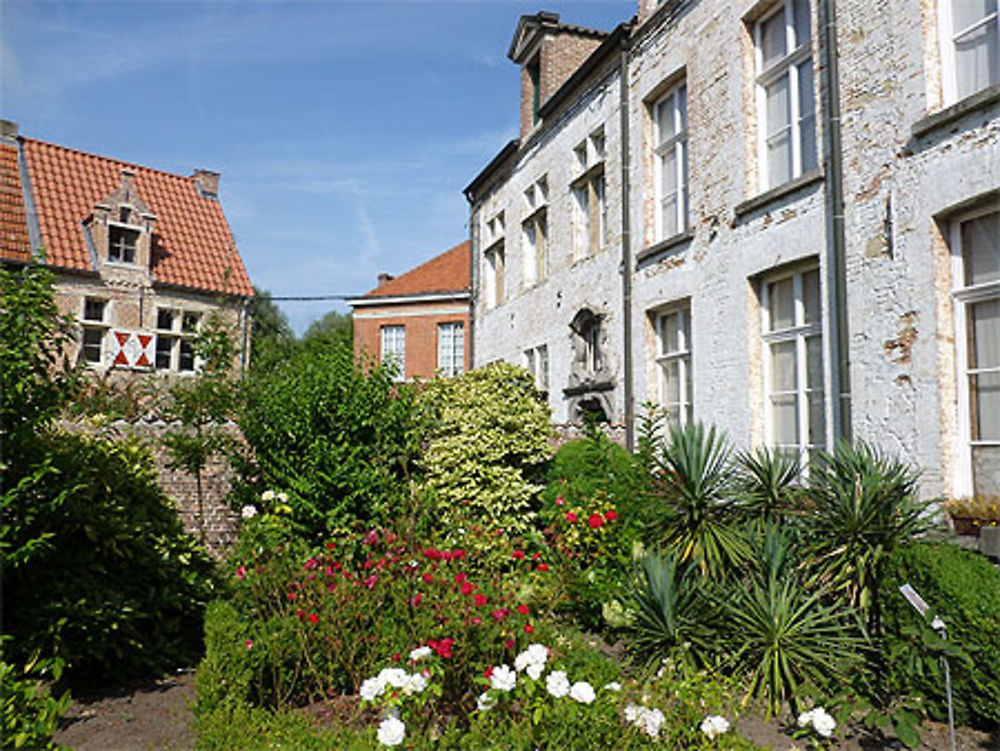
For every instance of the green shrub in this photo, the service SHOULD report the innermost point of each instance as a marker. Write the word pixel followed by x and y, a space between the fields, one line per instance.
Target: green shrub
pixel 963 588
pixel 100 572
pixel 338 440
pixel 30 712
pixel 487 448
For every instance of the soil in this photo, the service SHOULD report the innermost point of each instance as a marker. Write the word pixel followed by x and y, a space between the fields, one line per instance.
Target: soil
pixel 157 717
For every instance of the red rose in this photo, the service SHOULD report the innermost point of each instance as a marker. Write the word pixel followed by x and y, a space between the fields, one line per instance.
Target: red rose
pixel 458 554
pixel 519 554
pixel 291 596
pixel 248 644
pixel 460 577
pixel 432 553
pixel 396 657
pixel 481 600
pixel 523 610
pixel 508 643
pixel 428 578
pixel 476 621
pixel 596 521
pixel 300 613
pixel 331 587
pixel 529 629
pixel 443 647
pixel 571 517
pixel 611 515
pixel 313 618
pixel 488 673
pixel 542 567
pixel 467 588
pixel 536 556
pixel 241 573
pixel 500 614
pixel 330 546
pixel 560 501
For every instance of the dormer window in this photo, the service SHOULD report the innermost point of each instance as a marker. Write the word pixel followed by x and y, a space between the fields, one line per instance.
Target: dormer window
pixel 122 243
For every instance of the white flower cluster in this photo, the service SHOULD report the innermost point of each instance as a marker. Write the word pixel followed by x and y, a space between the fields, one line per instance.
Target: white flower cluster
pixel 503 678
pixel 270 495
pixel 420 653
pixel 532 661
pixel 714 725
pixel 391 731
pixel 650 721
pixel 408 683
pixel 820 719
pixel 249 511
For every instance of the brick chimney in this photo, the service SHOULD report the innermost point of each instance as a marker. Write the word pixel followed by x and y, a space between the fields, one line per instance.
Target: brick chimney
pixel 384 279
pixel 207 182
pixel 549 52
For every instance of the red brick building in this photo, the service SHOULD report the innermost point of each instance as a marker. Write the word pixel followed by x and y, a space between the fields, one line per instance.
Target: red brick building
pixel 419 319
pixel 141 257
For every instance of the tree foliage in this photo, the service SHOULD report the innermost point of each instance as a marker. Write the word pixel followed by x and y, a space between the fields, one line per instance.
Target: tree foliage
pixel 270 332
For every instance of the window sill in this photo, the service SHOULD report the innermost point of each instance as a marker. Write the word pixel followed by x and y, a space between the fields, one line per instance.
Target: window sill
pixel 971 104
pixel 665 246
pixel 781 191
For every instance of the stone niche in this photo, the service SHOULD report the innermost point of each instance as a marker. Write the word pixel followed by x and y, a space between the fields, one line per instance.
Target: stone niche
pixel 591 386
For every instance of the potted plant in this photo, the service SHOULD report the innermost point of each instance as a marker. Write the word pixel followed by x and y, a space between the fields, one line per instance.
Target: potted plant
pixel 970 514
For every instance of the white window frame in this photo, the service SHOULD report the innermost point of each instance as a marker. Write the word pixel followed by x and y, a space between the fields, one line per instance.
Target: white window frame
pixel 678 145
pixel 682 356
pixel 451 348
pixel 494 274
pixel 588 191
pixel 392 347
pixel 537 363
pixel 534 234
pixel 99 325
pixel 949 37
pixel 797 52
pixel 962 297
pixel 799 332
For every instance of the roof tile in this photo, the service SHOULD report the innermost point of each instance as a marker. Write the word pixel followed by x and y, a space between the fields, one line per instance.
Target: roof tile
pixel 447 272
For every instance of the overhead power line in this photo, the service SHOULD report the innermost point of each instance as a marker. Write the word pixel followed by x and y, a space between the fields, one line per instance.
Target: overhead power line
pixel 307 298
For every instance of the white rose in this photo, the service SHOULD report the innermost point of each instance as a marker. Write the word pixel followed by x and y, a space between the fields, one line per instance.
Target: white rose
pixel 248 511
pixel 391 731
pixel 714 725
pixel 582 692
pixel 805 718
pixel 415 684
pixel 652 722
pixel 371 689
pixel 557 684
pixel 420 653
pixel 504 679
pixel 613 686
pixel 267 495
pixel 485 702
pixel 823 722
pixel 632 712
pixel 396 677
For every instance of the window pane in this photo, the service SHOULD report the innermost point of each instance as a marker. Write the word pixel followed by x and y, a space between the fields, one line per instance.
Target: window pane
pixel 682 106
pixel 977 64
pixel 981 249
pixel 671 382
pixel 984 393
pixel 814 362
pixel 186 359
pixel 165 319
pixel 92 339
pixel 778 112
pixel 543 367
pixel 164 346
pixel 784 414
pixel 810 296
pixel 773 41
pixel 668 217
pixel 807 118
pixel 984 325
pixel 779 159
pixel 966 12
pixel 783 366
pixel 803 22
pixel 817 420
pixel 781 304
pixel 668 182
pixel 986 469
pixel 665 119
pixel 93 310
pixel 671 333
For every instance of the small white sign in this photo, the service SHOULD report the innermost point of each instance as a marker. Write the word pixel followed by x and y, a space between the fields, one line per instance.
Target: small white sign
pixel 920 605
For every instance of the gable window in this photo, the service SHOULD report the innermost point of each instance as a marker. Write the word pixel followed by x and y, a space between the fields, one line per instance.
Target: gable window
pixel 673 360
pixel 975 244
pixel 786 110
pixel 794 420
pixel 94 326
pixel 122 243
pixel 970 52
pixel 537 362
pixel 589 204
pixel 534 232
pixel 394 349
pixel 670 163
pixel 451 348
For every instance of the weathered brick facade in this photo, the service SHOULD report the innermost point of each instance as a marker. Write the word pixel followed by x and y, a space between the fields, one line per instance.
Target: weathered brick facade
pixel 761 306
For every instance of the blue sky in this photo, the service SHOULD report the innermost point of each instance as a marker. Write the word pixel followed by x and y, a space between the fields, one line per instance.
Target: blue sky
pixel 344 131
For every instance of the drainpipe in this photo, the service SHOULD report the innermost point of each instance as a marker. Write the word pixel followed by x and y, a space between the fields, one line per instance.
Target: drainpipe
pixel 835 232
pixel 473 286
pixel 626 264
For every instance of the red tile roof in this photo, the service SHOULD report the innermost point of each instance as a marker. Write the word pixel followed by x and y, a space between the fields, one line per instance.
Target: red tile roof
pixel 448 272
pixel 193 246
pixel 14 245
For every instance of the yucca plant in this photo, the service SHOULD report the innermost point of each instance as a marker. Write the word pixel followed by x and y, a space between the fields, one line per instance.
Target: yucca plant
pixel 666 609
pixel 863 506
pixel 768 484
pixel 789 639
pixel 695 519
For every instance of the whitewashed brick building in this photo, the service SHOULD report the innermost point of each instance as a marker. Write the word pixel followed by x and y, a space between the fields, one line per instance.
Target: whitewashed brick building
pixel 781 217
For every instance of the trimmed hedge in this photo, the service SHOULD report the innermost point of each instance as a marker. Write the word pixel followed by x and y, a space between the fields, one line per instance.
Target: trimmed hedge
pixel 964 589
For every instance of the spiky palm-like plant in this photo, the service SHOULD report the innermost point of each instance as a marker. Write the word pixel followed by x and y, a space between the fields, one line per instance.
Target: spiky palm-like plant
pixel 667 608
pixel 768 484
pixel 789 639
pixel 695 475
pixel 863 506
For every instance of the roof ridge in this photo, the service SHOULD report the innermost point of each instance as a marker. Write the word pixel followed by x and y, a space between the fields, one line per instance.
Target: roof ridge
pixel 102 157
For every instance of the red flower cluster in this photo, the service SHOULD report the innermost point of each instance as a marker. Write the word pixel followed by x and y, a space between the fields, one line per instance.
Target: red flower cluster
pixel 442 647
pixel 444 555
